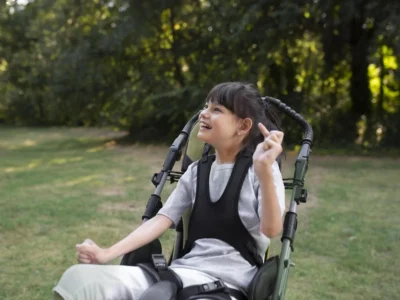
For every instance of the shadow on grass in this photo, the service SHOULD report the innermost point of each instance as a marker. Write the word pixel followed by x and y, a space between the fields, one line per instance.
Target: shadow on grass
pixel 72 143
pixel 144 138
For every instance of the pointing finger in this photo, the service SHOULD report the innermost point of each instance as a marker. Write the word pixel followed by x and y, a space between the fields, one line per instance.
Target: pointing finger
pixel 263 129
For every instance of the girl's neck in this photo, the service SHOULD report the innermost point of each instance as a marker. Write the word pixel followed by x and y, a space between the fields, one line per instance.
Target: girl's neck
pixel 226 156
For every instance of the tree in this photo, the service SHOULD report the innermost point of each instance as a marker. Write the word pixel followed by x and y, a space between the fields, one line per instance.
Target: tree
pixel 147 66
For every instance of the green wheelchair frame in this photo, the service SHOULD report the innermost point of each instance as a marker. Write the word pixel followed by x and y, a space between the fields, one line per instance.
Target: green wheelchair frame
pixel 192 152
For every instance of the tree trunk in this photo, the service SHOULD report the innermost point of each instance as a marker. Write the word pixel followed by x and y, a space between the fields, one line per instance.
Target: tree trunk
pixel 359 86
pixel 379 115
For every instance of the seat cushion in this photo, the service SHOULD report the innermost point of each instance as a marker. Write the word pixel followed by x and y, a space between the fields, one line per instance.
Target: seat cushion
pixel 263 283
pixel 165 290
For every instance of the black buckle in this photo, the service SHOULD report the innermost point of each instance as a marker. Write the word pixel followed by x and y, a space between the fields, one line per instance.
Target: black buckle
pixel 202 289
pixel 213 287
pixel 159 262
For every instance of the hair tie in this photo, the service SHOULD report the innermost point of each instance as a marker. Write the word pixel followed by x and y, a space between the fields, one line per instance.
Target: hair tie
pixel 265 105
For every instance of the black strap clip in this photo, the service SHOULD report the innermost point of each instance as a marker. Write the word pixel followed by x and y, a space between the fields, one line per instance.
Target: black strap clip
pixel 212 287
pixel 215 287
pixel 159 262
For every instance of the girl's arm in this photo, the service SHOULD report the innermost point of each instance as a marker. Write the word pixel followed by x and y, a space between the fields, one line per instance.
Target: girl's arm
pixel 271 214
pixel 89 252
pixel 263 158
pixel 177 203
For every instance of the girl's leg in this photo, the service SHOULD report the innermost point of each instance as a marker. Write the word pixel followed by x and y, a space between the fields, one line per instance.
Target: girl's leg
pixel 87 282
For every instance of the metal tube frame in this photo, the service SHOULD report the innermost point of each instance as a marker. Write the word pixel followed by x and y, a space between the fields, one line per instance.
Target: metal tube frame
pixel 298 196
pixel 284 259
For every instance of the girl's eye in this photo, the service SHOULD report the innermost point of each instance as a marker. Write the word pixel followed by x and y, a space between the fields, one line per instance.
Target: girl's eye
pixel 212 108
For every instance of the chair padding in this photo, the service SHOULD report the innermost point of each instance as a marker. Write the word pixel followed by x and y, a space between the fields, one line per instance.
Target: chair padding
pixel 165 290
pixel 194 147
pixel 263 283
pixel 142 254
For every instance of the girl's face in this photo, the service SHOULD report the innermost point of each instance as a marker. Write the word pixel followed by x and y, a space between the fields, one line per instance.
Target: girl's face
pixel 218 126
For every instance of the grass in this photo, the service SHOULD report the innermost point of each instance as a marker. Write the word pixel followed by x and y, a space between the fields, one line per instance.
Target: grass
pixel 60 186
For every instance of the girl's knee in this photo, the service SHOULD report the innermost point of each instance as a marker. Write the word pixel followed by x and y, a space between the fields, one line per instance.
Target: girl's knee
pixel 74 278
pixel 57 296
pixel 78 271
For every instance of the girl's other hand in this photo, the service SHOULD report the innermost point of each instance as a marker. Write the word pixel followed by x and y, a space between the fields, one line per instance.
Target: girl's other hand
pixel 89 253
pixel 268 150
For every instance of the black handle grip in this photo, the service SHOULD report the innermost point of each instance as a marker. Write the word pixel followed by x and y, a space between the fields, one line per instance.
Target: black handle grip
pixel 308 131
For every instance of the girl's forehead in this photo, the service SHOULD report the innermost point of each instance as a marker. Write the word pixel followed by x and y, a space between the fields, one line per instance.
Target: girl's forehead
pixel 213 101
pixel 215 104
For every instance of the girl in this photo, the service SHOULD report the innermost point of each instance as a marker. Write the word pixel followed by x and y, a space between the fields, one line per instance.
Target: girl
pixel 233 120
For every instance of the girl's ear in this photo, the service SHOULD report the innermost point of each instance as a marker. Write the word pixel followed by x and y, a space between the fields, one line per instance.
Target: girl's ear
pixel 246 125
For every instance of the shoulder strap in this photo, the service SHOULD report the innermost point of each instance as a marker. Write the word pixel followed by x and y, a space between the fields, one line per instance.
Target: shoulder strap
pixel 159 270
pixel 206 150
pixel 243 162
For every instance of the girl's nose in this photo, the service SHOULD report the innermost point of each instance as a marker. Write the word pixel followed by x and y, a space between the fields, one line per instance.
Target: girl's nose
pixel 204 113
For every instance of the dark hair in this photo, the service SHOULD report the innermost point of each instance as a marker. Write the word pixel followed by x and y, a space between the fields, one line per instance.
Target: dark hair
pixel 244 100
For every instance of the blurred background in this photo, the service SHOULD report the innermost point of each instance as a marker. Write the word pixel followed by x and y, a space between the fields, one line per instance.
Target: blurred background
pixel 146 66
pixel 93 92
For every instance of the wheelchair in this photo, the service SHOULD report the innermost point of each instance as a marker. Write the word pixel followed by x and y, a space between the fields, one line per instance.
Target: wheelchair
pixel 270 282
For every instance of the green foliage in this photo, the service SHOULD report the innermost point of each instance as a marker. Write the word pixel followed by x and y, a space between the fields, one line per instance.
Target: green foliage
pixel 147 66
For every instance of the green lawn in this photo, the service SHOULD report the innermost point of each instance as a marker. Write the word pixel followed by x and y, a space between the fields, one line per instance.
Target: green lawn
pixel 60 186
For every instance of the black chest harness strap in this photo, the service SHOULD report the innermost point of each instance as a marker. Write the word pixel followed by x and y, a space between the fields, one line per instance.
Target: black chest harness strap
pixel 220 219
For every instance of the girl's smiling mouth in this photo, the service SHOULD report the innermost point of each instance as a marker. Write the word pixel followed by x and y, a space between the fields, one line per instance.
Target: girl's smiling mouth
pixel 204 126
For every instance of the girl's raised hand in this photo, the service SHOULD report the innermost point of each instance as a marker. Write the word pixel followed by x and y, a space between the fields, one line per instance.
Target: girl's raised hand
pixel 89 253
pixel 268 150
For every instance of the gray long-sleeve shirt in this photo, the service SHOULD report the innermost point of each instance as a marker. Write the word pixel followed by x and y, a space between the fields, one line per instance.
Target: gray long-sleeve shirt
pixel 214 256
